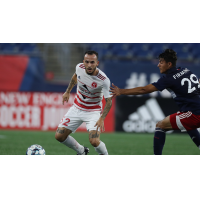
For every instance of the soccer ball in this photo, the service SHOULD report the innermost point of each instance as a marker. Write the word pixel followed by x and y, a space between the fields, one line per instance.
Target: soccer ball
pixel 35 150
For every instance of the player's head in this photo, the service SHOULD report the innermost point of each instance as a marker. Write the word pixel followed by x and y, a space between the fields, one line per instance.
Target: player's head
pixel 91 62
pixel 167 60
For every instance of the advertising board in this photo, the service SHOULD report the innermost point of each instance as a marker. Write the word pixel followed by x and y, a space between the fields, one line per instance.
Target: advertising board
pixel 140 114
pixel 39 111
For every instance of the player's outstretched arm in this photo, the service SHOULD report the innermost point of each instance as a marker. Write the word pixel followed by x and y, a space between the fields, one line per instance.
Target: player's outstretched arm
pixel 115 91
pixel 100 122
pixel 72 83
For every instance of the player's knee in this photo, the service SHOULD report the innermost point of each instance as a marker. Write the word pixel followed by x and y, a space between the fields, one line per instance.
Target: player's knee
pixel 160 125
pixel 60 137
pixel 95 142
pixel 157 125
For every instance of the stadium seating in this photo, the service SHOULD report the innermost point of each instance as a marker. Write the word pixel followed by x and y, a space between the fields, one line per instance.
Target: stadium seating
pixel 18 48
pixel 185 51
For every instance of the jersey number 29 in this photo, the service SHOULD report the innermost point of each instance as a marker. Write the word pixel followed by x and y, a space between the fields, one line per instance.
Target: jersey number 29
pixel 190 88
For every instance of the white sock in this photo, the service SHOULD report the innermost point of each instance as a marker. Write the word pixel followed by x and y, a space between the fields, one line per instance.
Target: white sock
pixel 101 149
pixel 73 144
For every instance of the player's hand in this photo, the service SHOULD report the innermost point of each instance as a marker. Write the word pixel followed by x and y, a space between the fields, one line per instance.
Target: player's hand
pixel 115 91
pixel 65 97
pixel 100 125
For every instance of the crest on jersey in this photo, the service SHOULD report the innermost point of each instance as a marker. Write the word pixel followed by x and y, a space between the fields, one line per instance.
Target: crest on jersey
pixel 94 84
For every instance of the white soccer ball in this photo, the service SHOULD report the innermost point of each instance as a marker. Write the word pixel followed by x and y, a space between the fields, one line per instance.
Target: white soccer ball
pixel 35 150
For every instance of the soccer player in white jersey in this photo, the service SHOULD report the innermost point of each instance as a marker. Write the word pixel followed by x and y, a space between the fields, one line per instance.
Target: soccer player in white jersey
pixel 92 85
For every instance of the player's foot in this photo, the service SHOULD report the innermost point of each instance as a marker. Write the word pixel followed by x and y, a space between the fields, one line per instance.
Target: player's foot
pixel 86 151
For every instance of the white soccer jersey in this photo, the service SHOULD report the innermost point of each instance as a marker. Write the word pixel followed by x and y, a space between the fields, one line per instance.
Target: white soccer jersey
pixel 90 89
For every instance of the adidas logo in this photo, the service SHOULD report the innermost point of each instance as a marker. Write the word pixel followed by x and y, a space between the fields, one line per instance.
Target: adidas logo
pixel 145 118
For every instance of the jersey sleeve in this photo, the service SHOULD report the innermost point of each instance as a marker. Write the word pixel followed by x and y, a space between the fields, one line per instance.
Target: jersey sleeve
pixel 76 70
pixel 106 88
pixel 162 83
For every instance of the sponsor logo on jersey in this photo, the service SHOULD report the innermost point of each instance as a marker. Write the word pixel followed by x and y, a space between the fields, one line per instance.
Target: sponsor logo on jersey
pixel 85 90
pixel 94 84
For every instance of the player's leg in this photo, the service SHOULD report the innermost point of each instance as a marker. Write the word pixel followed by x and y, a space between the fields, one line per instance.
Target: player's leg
pixel 195 136
pixel 160 135
pixel 63 136
pixel 187 121
pixel 100 147
pixel 69 124
pixel 94 136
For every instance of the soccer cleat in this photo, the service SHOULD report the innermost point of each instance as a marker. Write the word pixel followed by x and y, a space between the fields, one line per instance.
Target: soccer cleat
pixel 86 151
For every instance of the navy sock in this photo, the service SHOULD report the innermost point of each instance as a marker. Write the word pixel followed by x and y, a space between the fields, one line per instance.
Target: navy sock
pixel 159 141
pixel 195 136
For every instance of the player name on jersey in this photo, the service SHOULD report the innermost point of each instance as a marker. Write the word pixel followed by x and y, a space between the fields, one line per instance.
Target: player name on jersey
pixel 178 75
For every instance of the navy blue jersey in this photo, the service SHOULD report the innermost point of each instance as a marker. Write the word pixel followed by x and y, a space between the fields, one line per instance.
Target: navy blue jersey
pixel 184 87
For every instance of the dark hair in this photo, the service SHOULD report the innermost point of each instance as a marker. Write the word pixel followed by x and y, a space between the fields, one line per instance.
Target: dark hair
pixel 91 53
pixel 169 55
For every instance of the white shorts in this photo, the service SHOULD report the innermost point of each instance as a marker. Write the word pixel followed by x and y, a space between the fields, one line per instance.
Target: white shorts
pixel 75 117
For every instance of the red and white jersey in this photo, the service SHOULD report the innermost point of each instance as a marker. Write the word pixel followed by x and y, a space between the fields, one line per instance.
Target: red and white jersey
pixel 91 89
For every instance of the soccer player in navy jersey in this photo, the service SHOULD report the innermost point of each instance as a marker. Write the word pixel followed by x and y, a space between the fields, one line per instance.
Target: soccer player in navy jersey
pixel 184 88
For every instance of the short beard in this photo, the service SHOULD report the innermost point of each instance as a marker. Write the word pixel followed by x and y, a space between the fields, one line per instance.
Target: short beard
pixel 91 72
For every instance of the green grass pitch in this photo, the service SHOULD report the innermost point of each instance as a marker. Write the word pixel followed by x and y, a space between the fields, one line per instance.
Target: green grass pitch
pixel 15 142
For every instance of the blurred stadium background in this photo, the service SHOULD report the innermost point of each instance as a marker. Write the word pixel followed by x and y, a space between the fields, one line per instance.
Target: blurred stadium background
pixel 33 78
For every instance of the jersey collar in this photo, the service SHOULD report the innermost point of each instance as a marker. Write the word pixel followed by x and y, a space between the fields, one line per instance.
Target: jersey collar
pixel 171 70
